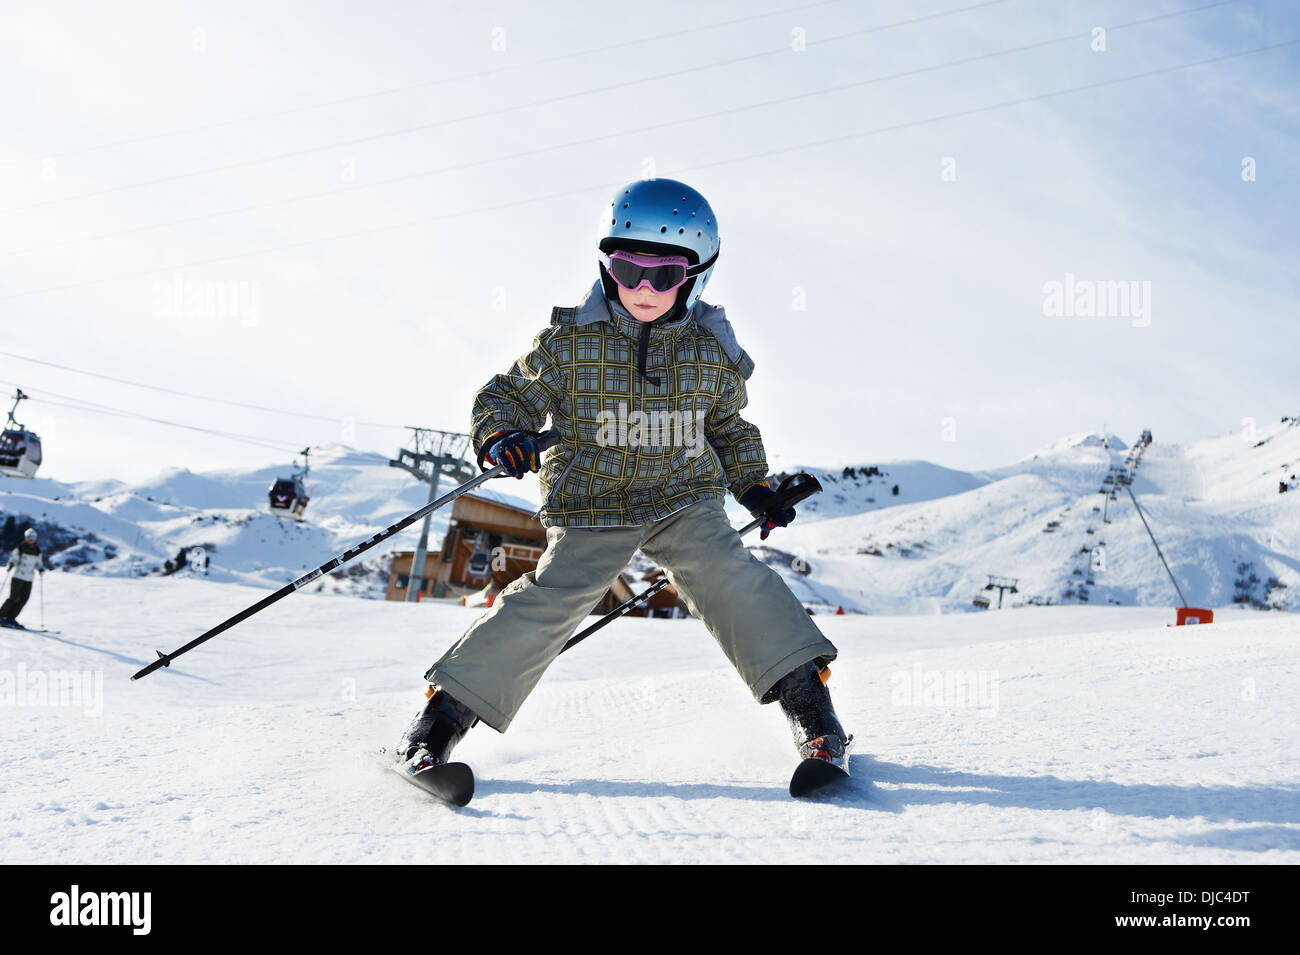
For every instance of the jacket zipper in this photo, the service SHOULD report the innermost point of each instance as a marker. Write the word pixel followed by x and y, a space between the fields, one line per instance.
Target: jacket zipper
pixel 559 481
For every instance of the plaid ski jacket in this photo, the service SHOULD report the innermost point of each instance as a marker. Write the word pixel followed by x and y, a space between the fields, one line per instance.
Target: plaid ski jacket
pixel 634 446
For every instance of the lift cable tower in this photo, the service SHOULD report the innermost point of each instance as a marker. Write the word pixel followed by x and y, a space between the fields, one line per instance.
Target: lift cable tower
pixel 432 454
pixel 1001 585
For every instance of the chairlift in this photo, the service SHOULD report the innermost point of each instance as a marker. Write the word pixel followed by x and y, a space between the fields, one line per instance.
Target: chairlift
pixel 20 449
pixel 288 495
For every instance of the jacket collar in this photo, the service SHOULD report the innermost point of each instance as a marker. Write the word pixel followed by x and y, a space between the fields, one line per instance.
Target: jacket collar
pixel 594 307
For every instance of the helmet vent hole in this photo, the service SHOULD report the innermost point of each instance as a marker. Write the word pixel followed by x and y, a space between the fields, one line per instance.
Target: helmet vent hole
pixel 627 224
pixel 625 205
pixel 680 231
pixel 699 233
pixel 674 212
pixel 663 228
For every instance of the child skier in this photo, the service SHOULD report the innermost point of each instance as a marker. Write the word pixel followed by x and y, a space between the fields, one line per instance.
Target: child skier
pixel 25 561
pixel 641 346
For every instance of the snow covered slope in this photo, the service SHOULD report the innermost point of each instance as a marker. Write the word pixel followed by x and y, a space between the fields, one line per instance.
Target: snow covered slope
pixel 1043 734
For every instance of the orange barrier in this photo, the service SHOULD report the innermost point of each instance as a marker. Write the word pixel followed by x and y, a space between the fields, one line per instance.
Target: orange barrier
pixel 1193 615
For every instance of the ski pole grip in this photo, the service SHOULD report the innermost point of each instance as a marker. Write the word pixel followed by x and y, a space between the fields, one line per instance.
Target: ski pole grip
pixel 795 488
pixel 548 439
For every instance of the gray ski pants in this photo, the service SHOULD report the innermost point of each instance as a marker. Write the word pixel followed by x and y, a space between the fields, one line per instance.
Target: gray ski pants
pixel 759 624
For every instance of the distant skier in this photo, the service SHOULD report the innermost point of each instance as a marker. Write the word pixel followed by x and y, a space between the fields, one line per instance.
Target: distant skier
pixel 25 561
pixel 640 344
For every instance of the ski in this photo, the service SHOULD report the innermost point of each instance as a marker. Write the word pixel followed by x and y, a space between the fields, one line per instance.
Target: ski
pixel 451 783
pixel 18 626
pixel 813 775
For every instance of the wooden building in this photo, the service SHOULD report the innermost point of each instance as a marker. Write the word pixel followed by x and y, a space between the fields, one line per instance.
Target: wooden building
pixel 488 544
pixel 665 603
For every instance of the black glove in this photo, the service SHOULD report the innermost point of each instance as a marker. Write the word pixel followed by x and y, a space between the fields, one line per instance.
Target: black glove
pixel 517 450
pixel 758 499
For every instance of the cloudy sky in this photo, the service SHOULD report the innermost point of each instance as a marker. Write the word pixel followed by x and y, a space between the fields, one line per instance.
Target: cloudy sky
pixel 345 218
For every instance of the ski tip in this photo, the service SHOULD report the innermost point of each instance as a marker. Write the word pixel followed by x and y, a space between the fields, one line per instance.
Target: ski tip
pixel 450 783
pixel 813 775
pixel 461 778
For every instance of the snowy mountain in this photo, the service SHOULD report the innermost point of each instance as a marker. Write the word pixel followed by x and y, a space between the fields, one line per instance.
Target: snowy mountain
pixel 892 537
pixel 112 529
pixel 1051 521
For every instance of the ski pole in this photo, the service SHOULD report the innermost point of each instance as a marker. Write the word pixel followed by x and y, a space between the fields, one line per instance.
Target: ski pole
pixel 40 586
pixel 791 491
pixel 545 440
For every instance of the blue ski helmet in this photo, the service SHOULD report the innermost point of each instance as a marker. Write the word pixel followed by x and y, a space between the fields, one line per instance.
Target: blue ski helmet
pixel 662 217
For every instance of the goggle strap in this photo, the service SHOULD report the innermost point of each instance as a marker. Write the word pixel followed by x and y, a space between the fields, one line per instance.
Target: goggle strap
pixel 703 266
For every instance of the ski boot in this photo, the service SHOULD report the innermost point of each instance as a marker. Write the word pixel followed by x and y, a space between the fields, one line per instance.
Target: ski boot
pixel 806 703
pixel 438 727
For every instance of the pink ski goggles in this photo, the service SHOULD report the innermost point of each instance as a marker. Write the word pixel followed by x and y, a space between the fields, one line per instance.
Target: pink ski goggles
pixel 662 273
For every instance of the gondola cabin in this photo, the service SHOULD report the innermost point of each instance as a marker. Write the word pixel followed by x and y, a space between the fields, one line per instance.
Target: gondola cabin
pixel 20 449
pixel 20 453
pixel 288 497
